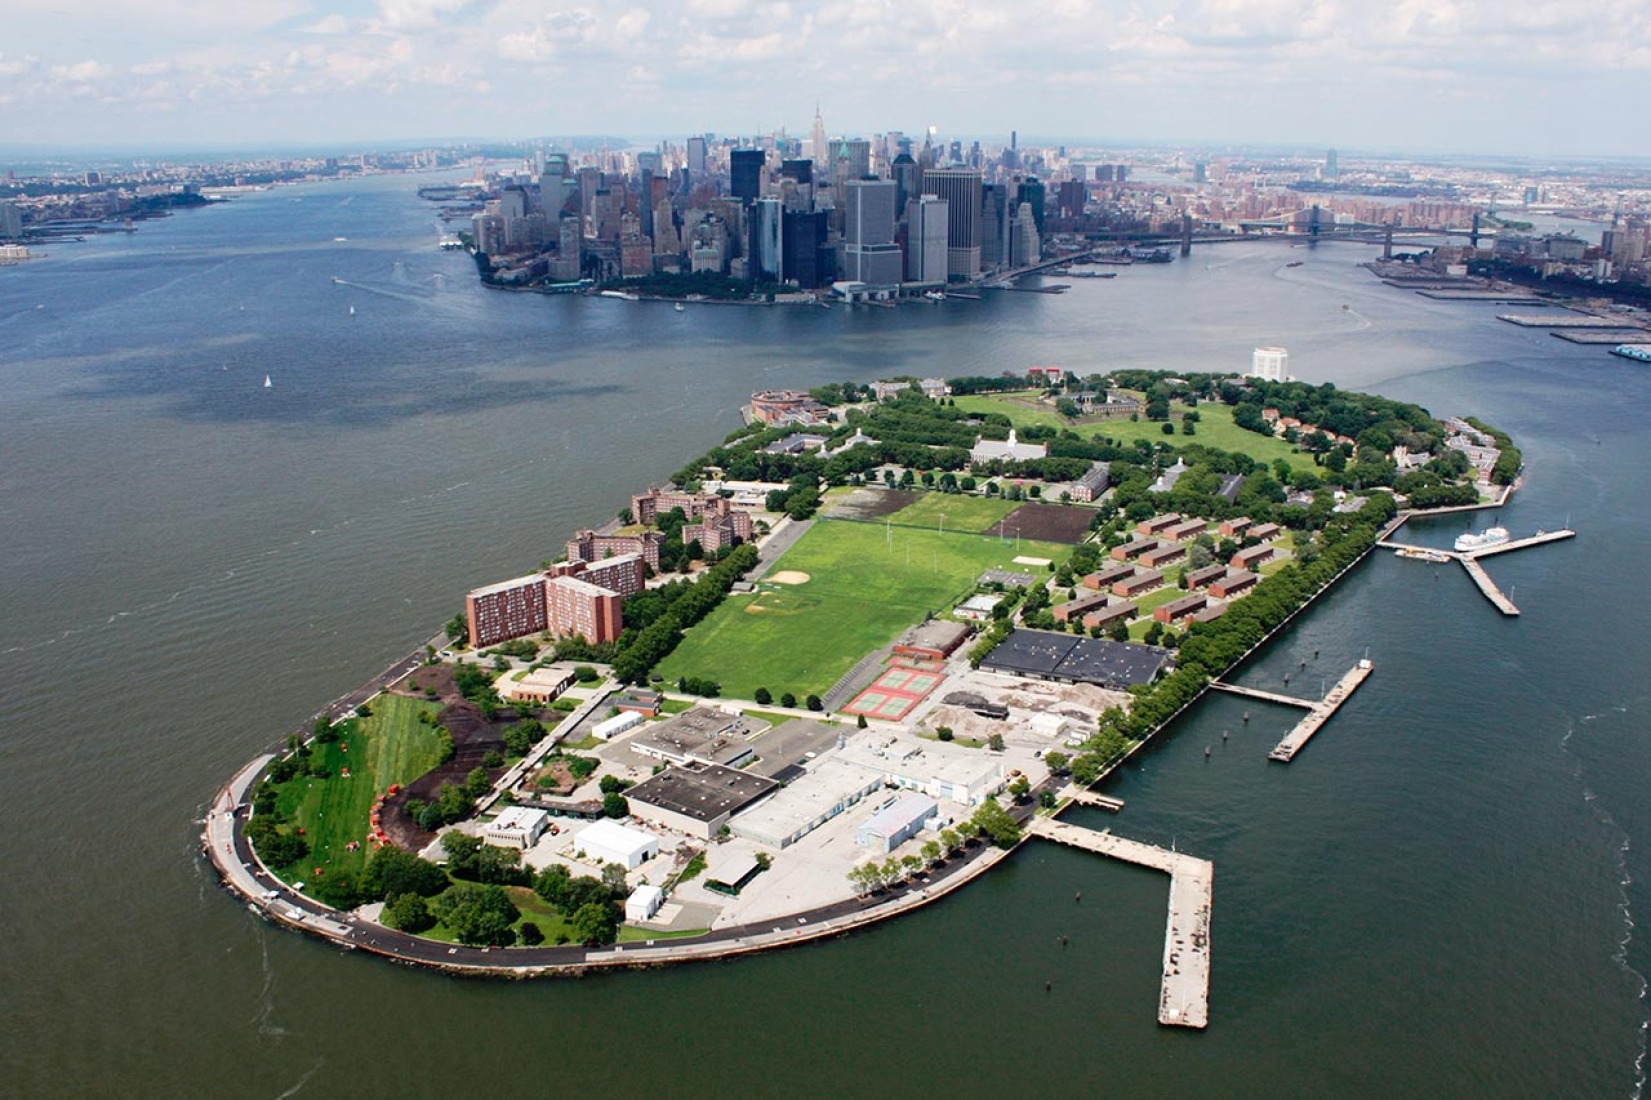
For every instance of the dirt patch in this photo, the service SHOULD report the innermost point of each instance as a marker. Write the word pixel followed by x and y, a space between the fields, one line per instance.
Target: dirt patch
pixel 789 576
pixel 869 503
pixel 1045 522
pixel 555 778
pixel 435 677
pixel 473 738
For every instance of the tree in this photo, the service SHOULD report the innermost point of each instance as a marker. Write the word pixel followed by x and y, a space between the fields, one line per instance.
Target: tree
pixel 864 878
pixel 408 913
pixel 763 696
pixel 586 674
pixel 994 821
pixel 944 733
pixel 1057 761
pixel 1019 788
pixel 476 783
pixel 995 742
pixel 595 923
pixel 814 702
pixel 615 805
pixel 951 840
pixel 477 915
pixel 530 934
pixel 931 852
pixel 613 877
pixel 860 721
pixel 393 872
pixel 788 700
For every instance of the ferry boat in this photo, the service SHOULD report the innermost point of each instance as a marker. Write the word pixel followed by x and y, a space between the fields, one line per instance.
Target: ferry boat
pixel 1415 553
pixel 1490 536
pixel 935 295
pixel 619 294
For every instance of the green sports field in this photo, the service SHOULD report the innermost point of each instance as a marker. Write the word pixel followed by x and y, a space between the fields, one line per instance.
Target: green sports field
pixel 859 595
pixel 953 512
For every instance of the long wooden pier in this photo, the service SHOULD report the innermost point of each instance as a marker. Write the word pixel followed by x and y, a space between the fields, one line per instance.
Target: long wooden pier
pixel 1268 696
pixel 1297 738
pixel 1183 997
pixel 1519 544
pixel 1470 561
pixel 1090 798
pixel 1492 593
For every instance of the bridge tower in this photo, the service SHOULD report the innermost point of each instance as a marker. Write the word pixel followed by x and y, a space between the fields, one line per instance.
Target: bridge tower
pixel 1313 222
pixel 1387 241
pixel 1473 238
pixel 1186 235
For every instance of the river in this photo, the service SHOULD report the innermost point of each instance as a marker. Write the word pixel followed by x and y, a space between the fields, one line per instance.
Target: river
pixel 1438 898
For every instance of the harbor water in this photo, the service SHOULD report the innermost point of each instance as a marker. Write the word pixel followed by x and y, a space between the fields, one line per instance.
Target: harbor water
pixel 1438 897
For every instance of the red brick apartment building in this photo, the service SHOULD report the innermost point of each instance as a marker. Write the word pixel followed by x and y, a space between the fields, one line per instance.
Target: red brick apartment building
pixel 588 546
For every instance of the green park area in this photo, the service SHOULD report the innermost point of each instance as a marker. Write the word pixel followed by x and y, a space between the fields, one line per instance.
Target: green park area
pixel 953 512
pixel 865 583
pixel 1214 428
pixel 334 810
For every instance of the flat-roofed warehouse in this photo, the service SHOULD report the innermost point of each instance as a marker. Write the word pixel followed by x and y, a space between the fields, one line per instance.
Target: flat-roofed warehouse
pixel 935 639
pixel 828 788
pixel 1046 655
pixel 704 734
pixel 697 799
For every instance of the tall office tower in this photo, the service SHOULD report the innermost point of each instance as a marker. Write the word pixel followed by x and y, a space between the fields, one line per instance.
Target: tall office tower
pixel 801 171
pixel 696 158
pixel 1330 168
pixel 808 260
pixel 651 163
pixel 869 253
pixel 904 171
pixel 1031 190
pixel 512 203
pixel 926 236
pixel 566 264
pixel 1269 364
pixel 590 182
pixel 1106 173
pixel 858 154
pixel 800 174
pixel 956 151
pixel 1080 172
pixel 766 256
pixel 960 187
pixel 11 221
pixel 1011 155
pixel 995 203
pixel 1200 172
pixel 606 211
pixel 1070 198
pixel 1025 244
pixel 666 240
pixel 745 174
pixel 817 148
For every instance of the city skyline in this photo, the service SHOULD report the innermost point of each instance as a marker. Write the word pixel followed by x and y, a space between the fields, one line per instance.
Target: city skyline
pixel 1512 79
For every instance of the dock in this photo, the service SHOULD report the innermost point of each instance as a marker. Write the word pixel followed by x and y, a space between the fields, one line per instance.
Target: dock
pixel 1183 997
pixel 1321 713
pixel 1519 544
pixel 1090 798
pixel 1492 593
pixel 1268 696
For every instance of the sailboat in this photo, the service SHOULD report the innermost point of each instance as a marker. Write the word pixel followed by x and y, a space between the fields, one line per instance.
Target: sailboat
pixel 268 385
pixel 352 311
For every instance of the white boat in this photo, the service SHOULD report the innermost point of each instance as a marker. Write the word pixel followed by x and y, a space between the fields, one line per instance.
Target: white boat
pixel 352 311
pixel 680 308
pixel 619 294
pixel 268 385
pixel 1490 536
pixel 935 295
pixel 1419 554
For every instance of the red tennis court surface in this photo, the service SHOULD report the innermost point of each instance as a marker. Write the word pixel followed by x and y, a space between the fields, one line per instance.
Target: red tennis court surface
pixel 893 694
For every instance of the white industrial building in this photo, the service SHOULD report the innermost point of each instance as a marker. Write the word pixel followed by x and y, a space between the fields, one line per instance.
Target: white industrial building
pixel 939 770
pixel 608 729
pixel 785 817
pixel 897 822
pixel 517 827
pixel 1011 450
pixel 1051 725
pixel 643 903
pixel 611 842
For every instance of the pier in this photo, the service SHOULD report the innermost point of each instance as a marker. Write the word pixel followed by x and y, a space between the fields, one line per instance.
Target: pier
pixel 1090 798
pixel 1183 998
pixel 1267 696
pixel 1321 713
pixel 1470 562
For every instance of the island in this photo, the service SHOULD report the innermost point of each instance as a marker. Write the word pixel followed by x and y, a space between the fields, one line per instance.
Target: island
pixel 846 661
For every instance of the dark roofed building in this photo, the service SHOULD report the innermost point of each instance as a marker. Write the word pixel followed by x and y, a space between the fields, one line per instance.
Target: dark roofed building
pixel 1105 578
pixel 697 799
pixel 1066 612
pixel 1198 578
pixel 934 640
pixel 1116 611
pixel 1130 549
pixel 1181 608
pixel 1230 485
pixel 1045 655
pixel 1088 488
pixel 1143 580
pixel 1230 585
pixel 1163 554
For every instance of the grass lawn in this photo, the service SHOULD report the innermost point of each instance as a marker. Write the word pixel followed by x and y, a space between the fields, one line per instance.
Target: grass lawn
pixel 1215 428
pixel 631 934
pixel 771 717
pixel 861 593
pixel 391 746
pixel 676 706
pixel 962 513
pixel 1021 407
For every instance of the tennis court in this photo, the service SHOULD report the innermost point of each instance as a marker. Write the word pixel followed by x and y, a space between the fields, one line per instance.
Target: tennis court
pixel 893 694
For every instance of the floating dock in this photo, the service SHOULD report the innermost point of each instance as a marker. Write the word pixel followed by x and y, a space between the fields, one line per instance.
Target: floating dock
pixel 1470 562
pixel 1184 996
pixel 1492 593
pixel 1320 713
pixel 1519 544
pixel 1571 320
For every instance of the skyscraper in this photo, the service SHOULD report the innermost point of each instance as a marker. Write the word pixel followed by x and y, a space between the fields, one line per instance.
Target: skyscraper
pixel 817 143
pixel 806 258
pixel 745 174
pixel 1331 170
pixel 926 236
pixel 765 259
pixel 960 187
pixel 696 158
pixel 869 253
pixel 905 173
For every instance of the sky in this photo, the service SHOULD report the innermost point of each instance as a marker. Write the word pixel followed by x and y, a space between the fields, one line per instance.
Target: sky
pixel 1521 77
